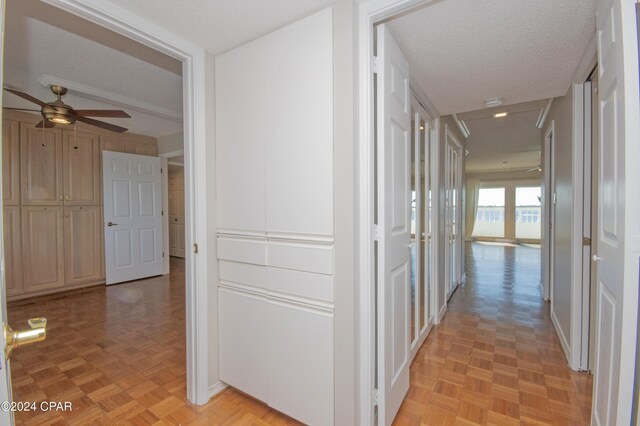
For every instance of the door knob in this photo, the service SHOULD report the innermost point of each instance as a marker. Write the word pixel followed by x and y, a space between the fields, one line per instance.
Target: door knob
pixel 596 258
pixel 111 224
pixel 14 339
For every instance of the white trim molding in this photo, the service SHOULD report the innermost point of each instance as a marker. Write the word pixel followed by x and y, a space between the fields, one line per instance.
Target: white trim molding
pixel 193 59
pixel 100 95
pixel 369 13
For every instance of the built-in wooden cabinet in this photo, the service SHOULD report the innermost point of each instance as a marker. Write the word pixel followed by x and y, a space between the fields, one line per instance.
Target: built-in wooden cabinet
pixel 176 211
pixel 141 145
pixel 81 168
pixel 10 162
pixel 83 251
pixel 12 232
pixel 42 248
pixel 40 166
pixel 52 202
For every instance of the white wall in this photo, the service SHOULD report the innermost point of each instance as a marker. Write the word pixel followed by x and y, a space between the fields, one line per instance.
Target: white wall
pixel 561 114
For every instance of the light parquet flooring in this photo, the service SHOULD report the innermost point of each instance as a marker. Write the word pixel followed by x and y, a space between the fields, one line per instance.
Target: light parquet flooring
pixel 495 359
pixel 118 354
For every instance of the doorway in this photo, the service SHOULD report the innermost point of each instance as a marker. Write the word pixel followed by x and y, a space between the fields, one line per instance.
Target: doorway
pixel 190 57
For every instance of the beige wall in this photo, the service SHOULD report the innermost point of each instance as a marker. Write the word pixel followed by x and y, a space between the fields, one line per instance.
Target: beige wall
pixel 561 115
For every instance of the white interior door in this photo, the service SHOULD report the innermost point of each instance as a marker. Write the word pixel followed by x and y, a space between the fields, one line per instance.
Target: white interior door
pixel 618 233
pixel 394 274
pixel 133 225
pixel 6 416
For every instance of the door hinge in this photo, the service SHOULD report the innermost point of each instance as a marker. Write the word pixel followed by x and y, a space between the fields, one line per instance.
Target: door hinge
pixel 376 397
pixel 160 170
pixel 162 254
pixel 375 64
pixel 377 232
pixel 161 212
pixel 195 248
pixel 586 241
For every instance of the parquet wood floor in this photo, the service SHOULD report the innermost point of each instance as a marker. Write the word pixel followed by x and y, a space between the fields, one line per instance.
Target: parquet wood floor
pixel 495 359
pixel 118 354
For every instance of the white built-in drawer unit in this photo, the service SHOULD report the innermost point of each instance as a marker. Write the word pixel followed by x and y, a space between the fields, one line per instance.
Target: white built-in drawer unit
pixel 274 152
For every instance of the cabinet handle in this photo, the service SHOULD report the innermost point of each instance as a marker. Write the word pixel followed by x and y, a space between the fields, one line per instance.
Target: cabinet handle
pixel 66 197
pixel 111 224
pixel 60 197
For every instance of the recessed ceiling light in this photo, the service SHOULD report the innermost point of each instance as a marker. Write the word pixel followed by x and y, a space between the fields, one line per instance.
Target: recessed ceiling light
pixel 499 114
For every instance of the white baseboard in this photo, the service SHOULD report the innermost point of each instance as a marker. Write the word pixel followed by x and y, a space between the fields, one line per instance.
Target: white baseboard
pixel 216 388
pixel 563 340
pixel 443 311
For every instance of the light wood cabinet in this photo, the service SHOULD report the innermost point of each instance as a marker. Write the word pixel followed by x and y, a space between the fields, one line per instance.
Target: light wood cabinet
pixel 81 168
pixel 40 171
pixel 52 202
pixel 141 145
pixel 42 248
pixel 12 250
pixel 83 245
pixel 113 143
pixel 176 211
pixel 10 162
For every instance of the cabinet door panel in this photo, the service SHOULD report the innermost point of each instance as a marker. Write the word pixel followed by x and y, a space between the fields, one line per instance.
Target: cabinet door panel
pixel 141 145
pixel 83 244
pixel 113 143
pixel 10 162
pixel 243 342
pixel 81 168
pixel 40 165
pixel 13 250
pixel 42 248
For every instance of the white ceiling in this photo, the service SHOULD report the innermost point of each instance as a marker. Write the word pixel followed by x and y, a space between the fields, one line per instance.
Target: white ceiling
pixel 41 39
pixel 465 51
pixel 221 25
pixel 508 143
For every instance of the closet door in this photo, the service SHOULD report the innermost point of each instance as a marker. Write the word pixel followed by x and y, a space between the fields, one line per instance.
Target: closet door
pixel 10 163
pixel 176 211
pixel 81 168
pixel 42 248
pixel 82 244
pixel 13 250
pixel 40 165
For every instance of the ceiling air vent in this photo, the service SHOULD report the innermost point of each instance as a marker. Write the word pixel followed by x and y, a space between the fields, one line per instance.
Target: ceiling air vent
pixel 493 102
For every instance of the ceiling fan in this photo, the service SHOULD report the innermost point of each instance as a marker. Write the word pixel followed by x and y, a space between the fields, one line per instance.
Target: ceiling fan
pixel 57 112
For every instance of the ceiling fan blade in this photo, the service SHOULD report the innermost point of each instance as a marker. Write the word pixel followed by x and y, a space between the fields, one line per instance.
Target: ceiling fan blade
pixel 115 113
pixel 101 124
pixel 21 109
pixel 26 96
pixel 46 124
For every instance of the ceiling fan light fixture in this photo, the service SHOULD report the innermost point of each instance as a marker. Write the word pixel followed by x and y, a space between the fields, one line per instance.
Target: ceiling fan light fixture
pixel 58 117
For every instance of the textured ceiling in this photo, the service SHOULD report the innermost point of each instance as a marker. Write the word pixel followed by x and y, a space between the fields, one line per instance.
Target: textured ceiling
pixel 221 25
pixel 508 143
pixel 41 39
pixel 465 51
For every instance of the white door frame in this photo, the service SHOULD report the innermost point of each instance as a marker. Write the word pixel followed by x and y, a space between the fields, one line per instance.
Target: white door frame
pixel 369 14
pixel 194 77
pixel 547 212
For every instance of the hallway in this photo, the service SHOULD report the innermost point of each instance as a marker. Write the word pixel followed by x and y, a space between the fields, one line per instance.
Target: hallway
pixel 495 358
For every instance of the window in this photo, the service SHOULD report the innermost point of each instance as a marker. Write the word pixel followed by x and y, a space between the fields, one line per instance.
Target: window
pixel 528 212
pixel 490 214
